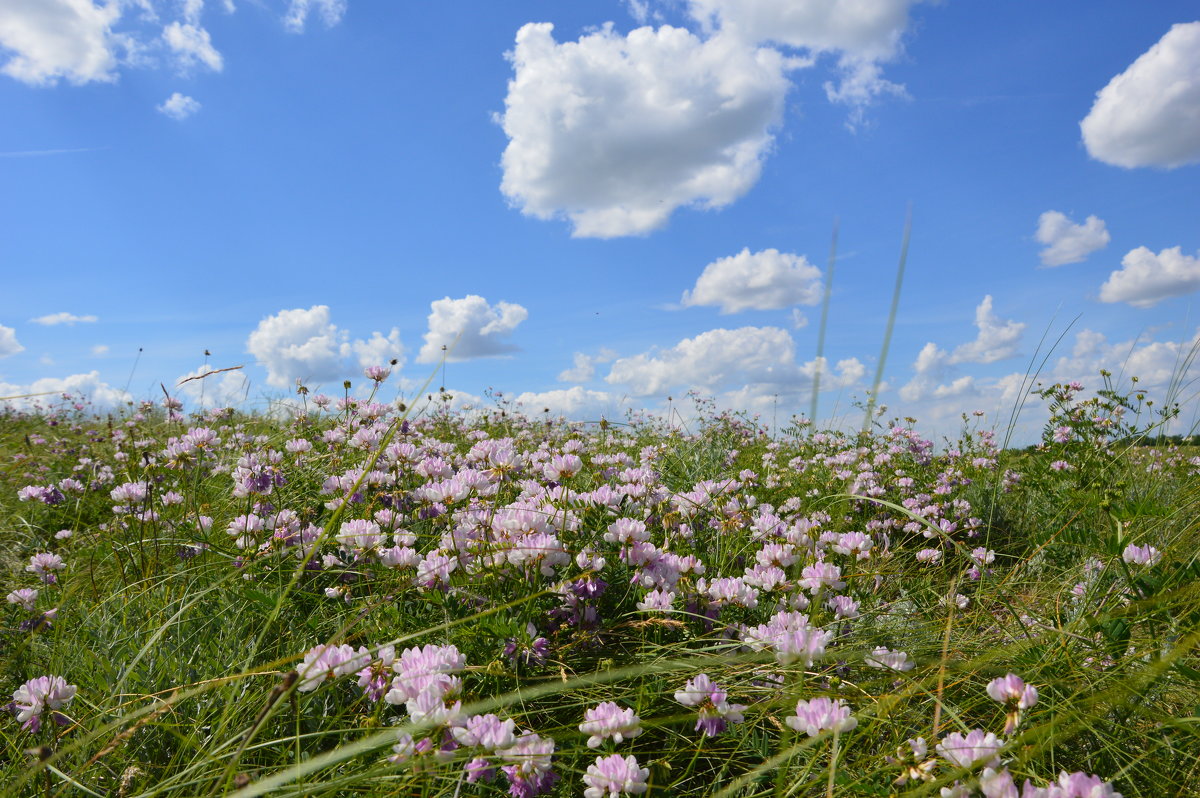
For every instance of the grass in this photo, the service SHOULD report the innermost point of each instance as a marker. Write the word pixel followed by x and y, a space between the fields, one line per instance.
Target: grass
pixel 186 644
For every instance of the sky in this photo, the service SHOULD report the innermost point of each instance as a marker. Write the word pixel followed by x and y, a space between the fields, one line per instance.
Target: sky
pixel 594 206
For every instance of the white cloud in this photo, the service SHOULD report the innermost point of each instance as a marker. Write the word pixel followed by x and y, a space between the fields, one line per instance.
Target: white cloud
pixel 100 350
pixel 51 319
pixel 299 344
pixel 1145 279
pixel 8 342
pixel 997 339
pixel 934 372
pixel 88 385
pixel 306 345
pixel 799 320
pixel 469 328
pixel 765 280
pixel 191 45
pixel 379 350
pixel 711 360
pixel 1154 363
pixel 331 12
pixel 616 132
pixel 179 106
pixel 227 389
pixel 1149 115
pixel 863 28
pixel 577 403
pixel 53 39
pixel 1067 242
pixel 584 368
pixel 863 33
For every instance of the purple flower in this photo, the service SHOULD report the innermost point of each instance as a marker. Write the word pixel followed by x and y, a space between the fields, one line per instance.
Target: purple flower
pixel 1017 696
pixel 791 636
pixel 883 657
pixel 37 695
pixel 1134 555
pixel 44 564
pixel 822 714
pixel 716 713
pixel 329 662
pixel 486 731
pixel 615 775
pixel 609 720
pixel 1072 785
pixel 965 750
pixel 25 598
pixel 529 772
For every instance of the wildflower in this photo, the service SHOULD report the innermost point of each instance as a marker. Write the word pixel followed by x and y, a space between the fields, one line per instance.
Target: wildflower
pixel 485 731
pixel 711 700
pixel 1072 785
pixel 44 564
pixel 929 555
pixel 359 534
pixel 657 601
pixel 822 714
pixel 844 607
pixel 1017 696
pixel 37 695
pixel 615 775
pixel 529 772
pixel 329 662
pixel 373 679
pixel 609 720
pixel 403 750
pixel 821 574
pixel 1061 465
pixel 376 373
pixel 1134 555
pixel 883 657
pixel 975 746
pixel 25 598
pixel 791 636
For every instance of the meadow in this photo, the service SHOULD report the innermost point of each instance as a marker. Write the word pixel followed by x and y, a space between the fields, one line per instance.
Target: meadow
pixel 357 599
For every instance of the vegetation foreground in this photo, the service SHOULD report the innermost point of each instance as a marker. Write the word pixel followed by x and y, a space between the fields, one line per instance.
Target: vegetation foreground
pixel 355 602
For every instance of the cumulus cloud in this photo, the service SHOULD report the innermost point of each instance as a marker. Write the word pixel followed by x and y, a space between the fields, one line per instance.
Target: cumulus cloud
pixel 470 328
pixel 1149 115
pixel 584 368
pixel 99 350
pixel 1156 364
pixel 710 360
pixel 1145 279
pixel 179 106
pixel 576 404
pixel 192 45
pixel 227 389
pixel 616 132
pixel 997 339
pixel 306 345
pixel 862 35
pixel 40 393
pixel 765 280
pixel 934 375
pixel 8 342
pixel 1067 242
pixel 331 12
pixel 49 40
pixel 52 319
pixel 380 350
pixel 43 42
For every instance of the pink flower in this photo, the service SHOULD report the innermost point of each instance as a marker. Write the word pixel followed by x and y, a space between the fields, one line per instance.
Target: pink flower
pixel 1134 555
pixel 883 657
pixel 1072 785
pixel 37 695
pixel 615 775
pixel 822 714
pixel 712 701
pixel 965 750
pixel 44 564
pixel 609 720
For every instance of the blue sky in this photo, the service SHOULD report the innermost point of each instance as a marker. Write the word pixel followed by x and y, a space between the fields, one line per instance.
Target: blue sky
pixel 635 202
